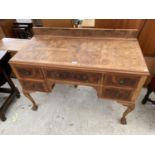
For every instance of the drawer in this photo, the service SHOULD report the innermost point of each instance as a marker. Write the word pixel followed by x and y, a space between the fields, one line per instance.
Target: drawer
pixel 117 93
pixel 77 76
pixel 29 72
pixel 121 80
pixel 34 85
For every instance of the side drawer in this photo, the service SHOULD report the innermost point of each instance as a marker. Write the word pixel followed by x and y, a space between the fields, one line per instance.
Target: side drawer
pixel 34 85
pixel 121 80
pixel 29 72
pixel 117 93
pixel 78 76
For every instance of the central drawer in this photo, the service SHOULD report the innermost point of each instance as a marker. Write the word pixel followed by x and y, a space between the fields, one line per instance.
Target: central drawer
pixel 69 75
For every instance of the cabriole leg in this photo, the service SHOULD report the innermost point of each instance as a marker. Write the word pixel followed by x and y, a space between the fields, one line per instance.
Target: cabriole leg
pixel 127 111
pixel 34 105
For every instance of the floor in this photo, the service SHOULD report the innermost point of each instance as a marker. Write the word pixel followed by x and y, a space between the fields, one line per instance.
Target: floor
pixel 69 110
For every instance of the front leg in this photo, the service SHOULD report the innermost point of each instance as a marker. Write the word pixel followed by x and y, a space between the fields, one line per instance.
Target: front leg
pixel 75 86
pixel 34 105
pixel 127 111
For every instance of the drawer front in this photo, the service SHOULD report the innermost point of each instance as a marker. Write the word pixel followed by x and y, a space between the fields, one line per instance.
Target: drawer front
pixel 73 76
pixel 116 93
pixel 121 80
pixel 34 85
pixel 29 72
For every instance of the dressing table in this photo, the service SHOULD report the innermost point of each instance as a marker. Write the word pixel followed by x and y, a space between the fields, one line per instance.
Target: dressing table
pixel 110 61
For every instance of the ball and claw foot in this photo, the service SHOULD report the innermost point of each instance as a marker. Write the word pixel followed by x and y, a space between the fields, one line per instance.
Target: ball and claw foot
pixel 123 121
pixel 3 118
pixel 127 111
pixel 35 108
pixel 34 105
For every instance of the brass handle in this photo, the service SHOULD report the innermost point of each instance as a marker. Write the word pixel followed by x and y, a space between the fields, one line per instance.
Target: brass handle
pixel 121 81
pixel 57 75
pixel 84 77
pixel 26 72
pixel 117 94
pixel 34 86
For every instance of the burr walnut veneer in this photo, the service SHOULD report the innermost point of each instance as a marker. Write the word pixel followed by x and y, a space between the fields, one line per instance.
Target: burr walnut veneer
pixel 111 61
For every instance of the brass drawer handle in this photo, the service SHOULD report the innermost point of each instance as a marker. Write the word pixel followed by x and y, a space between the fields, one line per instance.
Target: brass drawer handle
pixel 34 86
pixel 117 94
pixel 26 72
pixel 57 75
pixel 122 81
pixel 84 77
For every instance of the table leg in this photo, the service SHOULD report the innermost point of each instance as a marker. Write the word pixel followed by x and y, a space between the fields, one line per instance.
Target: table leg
pixel 127 111
pixel 53 85
pixel 34 105
pixel 2 117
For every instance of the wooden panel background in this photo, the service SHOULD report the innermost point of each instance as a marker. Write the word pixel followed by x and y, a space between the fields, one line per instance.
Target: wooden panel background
pixel 147 38
pixel 56 22
pixel 119 23
pixel 6 25
pixel 2 35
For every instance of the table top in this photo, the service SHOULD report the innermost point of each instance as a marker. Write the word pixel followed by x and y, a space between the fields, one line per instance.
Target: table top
pixel 96 53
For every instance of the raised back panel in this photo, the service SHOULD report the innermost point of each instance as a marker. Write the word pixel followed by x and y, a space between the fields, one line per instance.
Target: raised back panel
pixel 85 32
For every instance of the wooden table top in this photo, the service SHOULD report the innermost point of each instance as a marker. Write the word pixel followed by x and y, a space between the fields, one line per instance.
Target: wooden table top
pixel 114 54
pixel 102 53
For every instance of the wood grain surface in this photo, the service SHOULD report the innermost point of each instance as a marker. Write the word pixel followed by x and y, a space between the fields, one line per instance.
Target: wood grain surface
pixel 103 53
pixel 86 32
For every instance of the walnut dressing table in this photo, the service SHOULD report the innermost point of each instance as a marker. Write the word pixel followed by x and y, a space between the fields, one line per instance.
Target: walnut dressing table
pixel 111 61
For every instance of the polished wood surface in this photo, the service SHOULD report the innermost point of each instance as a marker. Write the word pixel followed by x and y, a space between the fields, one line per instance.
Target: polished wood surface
pixel 114 54
pixel 145 28
pixel 85 32
pixel 114 66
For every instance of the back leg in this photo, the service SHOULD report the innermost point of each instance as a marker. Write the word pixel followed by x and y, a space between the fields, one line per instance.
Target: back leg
pixel 149 91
